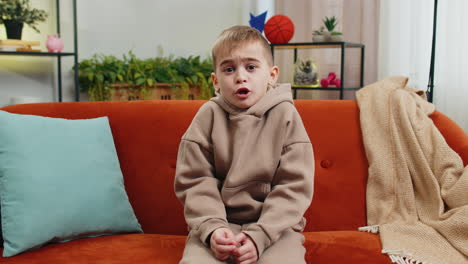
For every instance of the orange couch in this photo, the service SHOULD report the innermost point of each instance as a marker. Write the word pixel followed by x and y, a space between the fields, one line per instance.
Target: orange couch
pixel 147 134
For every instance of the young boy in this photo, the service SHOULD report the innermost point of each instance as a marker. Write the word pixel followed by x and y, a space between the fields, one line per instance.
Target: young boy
pixel 245 166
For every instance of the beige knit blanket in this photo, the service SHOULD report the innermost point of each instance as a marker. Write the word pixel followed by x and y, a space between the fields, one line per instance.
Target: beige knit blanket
pixel 417 190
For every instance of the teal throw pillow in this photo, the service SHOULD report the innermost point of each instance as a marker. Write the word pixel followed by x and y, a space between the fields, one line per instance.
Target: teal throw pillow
pixel 59 180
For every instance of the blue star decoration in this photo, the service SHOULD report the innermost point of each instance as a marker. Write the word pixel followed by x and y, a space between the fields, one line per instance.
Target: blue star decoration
pixel 258 22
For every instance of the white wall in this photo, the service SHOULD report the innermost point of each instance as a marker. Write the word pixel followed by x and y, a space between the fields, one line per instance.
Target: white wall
pixel 180 27
pixel 405 49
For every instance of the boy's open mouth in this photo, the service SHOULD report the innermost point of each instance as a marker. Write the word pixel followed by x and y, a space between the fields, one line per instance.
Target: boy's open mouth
pixel 242 91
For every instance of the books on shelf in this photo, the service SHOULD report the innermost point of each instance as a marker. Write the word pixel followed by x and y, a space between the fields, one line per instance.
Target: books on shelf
pixel 18 45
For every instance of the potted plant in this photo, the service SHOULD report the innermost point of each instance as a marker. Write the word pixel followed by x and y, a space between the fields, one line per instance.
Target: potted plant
pixel 318 35
pixel 332 35
pixel 106 77
pixel 15 13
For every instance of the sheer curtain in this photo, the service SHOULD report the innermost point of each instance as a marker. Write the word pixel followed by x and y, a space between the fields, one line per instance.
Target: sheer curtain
pixel 405 49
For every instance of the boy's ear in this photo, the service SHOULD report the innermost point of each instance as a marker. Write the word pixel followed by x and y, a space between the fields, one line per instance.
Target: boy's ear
pixel 274 73
pixel 215 82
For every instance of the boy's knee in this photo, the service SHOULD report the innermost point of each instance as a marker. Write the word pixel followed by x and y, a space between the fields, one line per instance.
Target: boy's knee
pixel 288 249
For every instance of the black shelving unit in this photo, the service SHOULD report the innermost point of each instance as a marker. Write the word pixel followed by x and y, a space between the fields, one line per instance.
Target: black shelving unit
pixel 59 55
pixel 325 45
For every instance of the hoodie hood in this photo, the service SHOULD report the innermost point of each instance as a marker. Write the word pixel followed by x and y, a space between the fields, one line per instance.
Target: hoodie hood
pixel 274 96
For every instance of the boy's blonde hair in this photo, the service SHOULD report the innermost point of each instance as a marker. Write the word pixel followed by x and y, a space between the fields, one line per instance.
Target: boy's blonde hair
pixel 235 36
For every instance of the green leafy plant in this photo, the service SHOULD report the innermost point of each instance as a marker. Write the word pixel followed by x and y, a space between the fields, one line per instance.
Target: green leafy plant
pixel 102 73
pixel 21 11
pixel 330 23
pixel 335 33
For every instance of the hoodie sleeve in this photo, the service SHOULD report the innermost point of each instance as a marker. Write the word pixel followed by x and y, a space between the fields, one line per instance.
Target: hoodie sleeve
pixel 292 189
pixel 196 185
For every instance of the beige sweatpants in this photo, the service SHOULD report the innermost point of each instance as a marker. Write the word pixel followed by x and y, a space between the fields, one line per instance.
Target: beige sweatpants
pixel 287 249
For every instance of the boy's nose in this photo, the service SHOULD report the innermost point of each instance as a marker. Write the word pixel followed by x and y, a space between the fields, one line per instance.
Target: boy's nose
pixel 240 77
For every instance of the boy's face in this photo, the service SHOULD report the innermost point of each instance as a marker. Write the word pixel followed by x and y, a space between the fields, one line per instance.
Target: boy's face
pixel 243 74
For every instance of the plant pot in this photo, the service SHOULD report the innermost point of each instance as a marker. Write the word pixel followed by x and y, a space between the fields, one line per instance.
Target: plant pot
pixel 159 91
pixel 318 38
pixel 305 73
pixel 13 29
pixel 326 36
pixel 336 38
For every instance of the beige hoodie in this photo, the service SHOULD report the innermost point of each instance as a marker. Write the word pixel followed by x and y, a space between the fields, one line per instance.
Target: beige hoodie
pixel 246 166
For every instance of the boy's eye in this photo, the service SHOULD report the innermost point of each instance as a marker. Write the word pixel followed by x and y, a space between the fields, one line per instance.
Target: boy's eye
pixel 251 67
pixel 228 69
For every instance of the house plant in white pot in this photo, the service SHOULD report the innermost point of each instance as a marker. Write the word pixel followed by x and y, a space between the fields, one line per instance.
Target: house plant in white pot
pixel 332 35
pixel 318 35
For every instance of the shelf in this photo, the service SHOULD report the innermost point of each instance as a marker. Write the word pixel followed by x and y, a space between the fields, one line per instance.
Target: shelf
pixel 53 54
pixel 323 89
pixel 316 45
pixel 324 45
pixel 58 55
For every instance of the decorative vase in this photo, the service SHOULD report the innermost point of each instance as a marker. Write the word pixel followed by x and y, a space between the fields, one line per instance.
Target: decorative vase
pixel 326 36
pixel 13 29
pixel 305 73
pixel 336 38
pixel 54 43
pixel 318 38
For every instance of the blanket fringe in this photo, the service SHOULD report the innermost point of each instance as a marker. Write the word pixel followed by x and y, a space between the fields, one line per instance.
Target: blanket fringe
pixel 396 256
pixel 371 229
pixel 399 257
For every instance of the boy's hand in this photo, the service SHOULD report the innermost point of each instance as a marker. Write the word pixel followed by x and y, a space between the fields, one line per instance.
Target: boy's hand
pixel 247 252
pixel 223 243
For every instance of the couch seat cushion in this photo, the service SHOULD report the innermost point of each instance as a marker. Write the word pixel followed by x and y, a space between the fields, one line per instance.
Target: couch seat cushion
pixel 113 249
pixel 350 247
pixel 322 248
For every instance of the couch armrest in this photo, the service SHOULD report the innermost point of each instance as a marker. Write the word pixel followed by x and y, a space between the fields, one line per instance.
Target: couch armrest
pixel 453 134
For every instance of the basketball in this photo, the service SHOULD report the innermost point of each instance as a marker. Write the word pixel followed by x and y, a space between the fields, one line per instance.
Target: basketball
pixel 279 29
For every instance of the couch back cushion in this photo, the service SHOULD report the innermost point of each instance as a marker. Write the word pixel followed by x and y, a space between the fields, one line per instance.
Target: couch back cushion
pixel 147 135
pixel 340 165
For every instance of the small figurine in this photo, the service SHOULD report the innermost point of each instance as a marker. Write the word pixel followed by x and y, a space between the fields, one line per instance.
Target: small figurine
pixel 54 43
